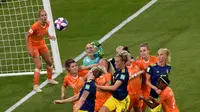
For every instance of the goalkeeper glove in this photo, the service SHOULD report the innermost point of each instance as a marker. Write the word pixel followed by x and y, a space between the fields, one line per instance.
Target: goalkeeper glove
pixel 95 43
pixel 101 53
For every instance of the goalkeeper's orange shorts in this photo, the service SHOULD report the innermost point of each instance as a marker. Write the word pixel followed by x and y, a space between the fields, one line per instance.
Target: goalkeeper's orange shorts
pixel 37 50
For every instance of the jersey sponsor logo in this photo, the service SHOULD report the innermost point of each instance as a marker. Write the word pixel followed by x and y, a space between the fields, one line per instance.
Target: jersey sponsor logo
pixel 122 77
pixel 157 72
pixel 87 86
pixel 30 31
pixel 148 69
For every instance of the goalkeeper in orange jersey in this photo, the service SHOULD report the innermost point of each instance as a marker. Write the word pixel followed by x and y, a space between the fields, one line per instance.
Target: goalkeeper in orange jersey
pixel 36 47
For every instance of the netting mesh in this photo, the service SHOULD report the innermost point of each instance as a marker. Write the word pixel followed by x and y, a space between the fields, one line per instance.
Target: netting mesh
pixel 16 17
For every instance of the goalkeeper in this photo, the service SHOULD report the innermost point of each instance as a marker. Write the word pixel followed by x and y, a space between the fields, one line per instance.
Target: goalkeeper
pixel 94 52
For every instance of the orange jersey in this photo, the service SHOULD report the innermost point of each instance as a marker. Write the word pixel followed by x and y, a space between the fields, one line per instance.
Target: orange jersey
pixel 76 83
pixel 101 97
pixel 37 33
pixel 152 60
pixel 168 101
pixel 134 85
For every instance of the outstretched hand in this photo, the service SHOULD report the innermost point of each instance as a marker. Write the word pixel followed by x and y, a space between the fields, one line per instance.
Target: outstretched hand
pixel 57 102
pixel 52 37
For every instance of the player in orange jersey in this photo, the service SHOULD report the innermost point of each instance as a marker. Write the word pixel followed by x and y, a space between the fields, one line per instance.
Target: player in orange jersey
pixel 103 80
pixel 146 59
pixel 36 47
pixel 74 79
pixel 167 99
pixel 87 95
pixel 135 70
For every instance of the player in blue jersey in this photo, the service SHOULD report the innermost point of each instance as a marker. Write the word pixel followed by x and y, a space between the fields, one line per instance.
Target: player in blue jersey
pixel 119 101
pixel 92 58
pixel 86 97
pixel 155 71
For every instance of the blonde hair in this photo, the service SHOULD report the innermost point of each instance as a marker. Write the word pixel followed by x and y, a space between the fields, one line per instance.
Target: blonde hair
pixel 167 52
pixel 124 55
pixel 119 48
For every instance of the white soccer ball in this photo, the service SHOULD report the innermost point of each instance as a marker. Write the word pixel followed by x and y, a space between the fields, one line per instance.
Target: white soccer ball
pixel 61 23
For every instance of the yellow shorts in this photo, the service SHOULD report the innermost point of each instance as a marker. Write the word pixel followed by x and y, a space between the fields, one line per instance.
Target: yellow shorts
pixel 117 105
pixel 157 109
pixel 82 111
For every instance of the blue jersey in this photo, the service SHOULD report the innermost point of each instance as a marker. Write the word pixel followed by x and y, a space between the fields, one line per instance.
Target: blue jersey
pixel 88 61
pixel 156 72
pixel 121 91
pixel 90 100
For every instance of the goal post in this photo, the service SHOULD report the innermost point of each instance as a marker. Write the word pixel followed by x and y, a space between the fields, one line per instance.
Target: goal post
pixel 54 44
pixel 16 17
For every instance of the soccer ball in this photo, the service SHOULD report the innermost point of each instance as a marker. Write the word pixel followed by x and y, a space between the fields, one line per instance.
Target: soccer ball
pixel 61 23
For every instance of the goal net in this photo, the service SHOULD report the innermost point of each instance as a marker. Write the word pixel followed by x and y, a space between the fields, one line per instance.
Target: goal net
pixel 16 17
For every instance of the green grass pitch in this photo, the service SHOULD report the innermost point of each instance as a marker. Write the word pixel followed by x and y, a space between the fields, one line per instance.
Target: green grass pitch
pixel 169 23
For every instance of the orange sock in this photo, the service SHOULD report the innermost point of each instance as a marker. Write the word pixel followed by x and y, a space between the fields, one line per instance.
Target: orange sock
pixel 36 76
pixel 49 72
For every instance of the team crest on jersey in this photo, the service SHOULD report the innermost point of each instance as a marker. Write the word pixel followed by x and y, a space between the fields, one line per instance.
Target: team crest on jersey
pixel 30 31
pixel 122 76
pixel 87 86
pixel 167 71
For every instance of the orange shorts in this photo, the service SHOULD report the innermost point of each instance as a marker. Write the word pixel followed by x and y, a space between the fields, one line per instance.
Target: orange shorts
pixel 98 104
pixel 135 101
pixel 37 50
pixel 146 93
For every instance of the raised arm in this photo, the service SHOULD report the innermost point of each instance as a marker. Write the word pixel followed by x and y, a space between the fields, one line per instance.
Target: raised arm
pixel 99 51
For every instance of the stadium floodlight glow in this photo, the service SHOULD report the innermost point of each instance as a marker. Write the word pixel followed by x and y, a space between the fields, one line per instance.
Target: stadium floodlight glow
pixel 16 17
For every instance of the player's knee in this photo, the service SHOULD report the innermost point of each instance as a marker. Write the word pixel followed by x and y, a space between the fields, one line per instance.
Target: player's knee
pixel 39 66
